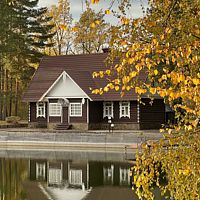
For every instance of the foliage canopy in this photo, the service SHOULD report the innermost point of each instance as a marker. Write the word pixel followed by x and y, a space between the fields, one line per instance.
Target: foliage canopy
pixel 165 44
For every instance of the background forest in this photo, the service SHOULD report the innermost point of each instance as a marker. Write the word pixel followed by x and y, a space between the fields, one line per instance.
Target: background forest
pixel 28 32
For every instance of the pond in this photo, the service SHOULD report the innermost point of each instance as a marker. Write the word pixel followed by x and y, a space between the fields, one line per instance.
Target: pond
pixel 65 175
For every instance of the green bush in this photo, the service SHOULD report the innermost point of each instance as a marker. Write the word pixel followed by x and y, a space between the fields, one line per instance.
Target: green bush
pixel 13 119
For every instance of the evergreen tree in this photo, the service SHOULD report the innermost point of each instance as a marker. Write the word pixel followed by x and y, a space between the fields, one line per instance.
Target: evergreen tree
pixel 24 34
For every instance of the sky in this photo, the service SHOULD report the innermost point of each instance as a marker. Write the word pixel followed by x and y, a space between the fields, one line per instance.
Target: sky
pixel 77 8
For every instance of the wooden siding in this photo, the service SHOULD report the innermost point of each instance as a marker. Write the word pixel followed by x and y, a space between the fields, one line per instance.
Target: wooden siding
pixel 96 113
pixel 82 119
pixel 33 114
pixel 133 113
pixel 152 116
pixel 54 119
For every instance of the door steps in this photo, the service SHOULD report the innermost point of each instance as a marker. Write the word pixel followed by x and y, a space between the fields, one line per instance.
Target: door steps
pixel 63 126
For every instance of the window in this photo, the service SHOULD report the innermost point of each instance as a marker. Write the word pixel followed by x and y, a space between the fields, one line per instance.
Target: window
pixel 55 176
pixel 40 109
pixel 75 177
pixel 40 171
pixel 75 109
pixel 124 176
pixel 124 109
pixel 108 109
pixel 54 109
pixel 108 175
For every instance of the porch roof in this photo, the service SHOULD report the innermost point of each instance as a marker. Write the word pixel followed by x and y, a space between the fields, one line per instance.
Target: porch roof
pixel 80 69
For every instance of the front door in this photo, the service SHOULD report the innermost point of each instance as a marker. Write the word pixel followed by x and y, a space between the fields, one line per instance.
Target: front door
pixel 65 116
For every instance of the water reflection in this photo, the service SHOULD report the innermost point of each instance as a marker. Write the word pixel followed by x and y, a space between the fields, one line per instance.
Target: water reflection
pixel 64 179
pixel 76 180
pixel 13 172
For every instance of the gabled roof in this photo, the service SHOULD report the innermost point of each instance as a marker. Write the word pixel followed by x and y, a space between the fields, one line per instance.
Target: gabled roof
pixel 80 69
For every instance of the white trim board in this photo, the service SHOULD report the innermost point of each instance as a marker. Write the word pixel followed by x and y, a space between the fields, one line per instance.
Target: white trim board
pixel 64 75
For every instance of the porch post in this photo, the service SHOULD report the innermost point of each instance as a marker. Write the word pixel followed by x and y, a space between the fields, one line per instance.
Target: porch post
pixel 138 111
pixel 87 111
pixel 47 111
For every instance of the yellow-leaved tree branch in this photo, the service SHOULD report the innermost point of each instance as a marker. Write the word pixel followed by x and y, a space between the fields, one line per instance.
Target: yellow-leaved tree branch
pixel 164 44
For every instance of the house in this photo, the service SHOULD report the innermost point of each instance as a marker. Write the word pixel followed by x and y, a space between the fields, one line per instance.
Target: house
pixel 82 179
pixel 80 174
pixel 59 95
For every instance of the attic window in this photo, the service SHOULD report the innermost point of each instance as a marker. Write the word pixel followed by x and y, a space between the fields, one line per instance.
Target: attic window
pixel 108 109
pixel 40 108
pixel 124 109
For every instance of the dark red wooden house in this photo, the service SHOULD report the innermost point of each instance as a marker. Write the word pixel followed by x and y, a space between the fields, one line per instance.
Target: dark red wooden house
pixel 59 93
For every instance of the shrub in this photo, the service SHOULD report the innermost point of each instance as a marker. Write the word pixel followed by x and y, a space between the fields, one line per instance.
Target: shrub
pixel 13 119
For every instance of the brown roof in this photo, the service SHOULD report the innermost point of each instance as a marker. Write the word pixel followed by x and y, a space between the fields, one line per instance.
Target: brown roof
pixel 80 69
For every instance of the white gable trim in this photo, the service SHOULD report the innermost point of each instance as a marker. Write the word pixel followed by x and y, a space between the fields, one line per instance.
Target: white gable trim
pixel 56 81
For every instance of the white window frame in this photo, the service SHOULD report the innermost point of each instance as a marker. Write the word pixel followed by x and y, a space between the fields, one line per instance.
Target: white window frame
pixel 58 112
pixel 123 107
pixel 105 107
pixel 108 174
pixel 40 105
pixel 75 177
pixel 124 176
pixel 54 176
pixel 70 110
pixel 40 171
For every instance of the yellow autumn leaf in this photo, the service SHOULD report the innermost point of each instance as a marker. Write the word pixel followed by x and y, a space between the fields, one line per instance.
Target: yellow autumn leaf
pixel 123 87
pixel 119 69
pixel 74 29
pixel 123 43
pixel 140 90
pixel 97 22
pixel 130 61
pixel 116 87
pixel 95 1
pixel 138 67
pixel 107 12
pixel 133 74
pixel 162 37
pixel 195 123
pixel 128 88
pixel 155 72
pixel 125 20
pixel 116 81
pixel 101 74
pixel 94 74
pixel 63 27
pixel 162 93
pixel 96 91
pixel 92 25
pixel 108 72
pixel 106 89
pixel 196 81
pixel 109 84
pixel 173 59
pixel 125 79
pixel 181 78
pixel 153 90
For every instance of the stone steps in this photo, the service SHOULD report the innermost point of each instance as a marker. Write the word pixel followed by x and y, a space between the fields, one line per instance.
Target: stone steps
pixel 63 126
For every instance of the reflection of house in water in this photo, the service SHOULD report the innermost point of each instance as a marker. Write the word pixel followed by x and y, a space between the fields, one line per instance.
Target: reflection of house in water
pixel 108 173
pixel 82 174
pixel 60 173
